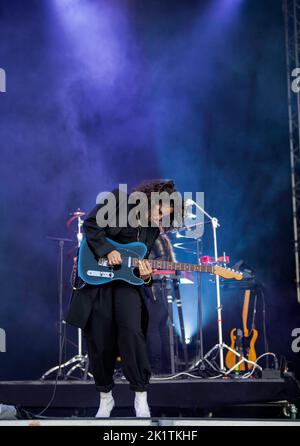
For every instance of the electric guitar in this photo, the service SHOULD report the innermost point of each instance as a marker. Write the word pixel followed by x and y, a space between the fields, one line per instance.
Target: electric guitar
pixel 248 340
pixel 95 271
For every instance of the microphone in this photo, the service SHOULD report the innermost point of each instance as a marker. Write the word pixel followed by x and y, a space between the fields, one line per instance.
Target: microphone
pixel 190 202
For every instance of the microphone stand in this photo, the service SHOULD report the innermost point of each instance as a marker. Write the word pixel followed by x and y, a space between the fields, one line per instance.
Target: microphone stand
pixel 220 346
pixel 199 303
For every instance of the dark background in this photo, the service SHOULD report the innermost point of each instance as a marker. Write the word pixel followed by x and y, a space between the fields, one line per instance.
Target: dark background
pixel 101 93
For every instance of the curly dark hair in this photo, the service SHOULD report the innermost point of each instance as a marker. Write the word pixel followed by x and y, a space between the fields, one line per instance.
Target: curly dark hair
pixel 167 186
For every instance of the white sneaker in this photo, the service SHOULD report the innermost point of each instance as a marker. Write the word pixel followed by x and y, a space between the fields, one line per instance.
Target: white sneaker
pixel 107 404
pixel 141 405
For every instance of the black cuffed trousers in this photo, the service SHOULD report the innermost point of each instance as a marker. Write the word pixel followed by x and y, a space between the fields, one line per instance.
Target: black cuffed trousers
pixel 117 326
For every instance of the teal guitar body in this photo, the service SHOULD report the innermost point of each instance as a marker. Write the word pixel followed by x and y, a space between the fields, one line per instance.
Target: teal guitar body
pixel 98 272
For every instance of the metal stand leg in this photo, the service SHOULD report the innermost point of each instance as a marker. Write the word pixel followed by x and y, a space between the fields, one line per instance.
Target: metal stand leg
pixel 80 362
pixel 221 348
pixel 181 320
pixel 168 293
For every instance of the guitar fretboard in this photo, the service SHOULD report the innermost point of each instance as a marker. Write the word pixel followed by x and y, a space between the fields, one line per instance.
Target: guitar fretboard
pixel 190 267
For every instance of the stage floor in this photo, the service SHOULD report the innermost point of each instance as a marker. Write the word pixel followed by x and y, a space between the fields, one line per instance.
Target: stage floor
pixel 180 397
pixel 151 423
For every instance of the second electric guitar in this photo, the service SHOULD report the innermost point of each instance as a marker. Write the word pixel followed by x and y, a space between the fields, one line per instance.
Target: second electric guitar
pixel 243 341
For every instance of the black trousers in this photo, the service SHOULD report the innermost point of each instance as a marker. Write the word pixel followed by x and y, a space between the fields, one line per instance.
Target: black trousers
pixel 117 327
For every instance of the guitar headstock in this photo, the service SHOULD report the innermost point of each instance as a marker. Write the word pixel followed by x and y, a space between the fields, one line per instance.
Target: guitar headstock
pixel 228 273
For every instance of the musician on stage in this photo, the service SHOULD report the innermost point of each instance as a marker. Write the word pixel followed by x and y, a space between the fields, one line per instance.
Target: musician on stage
pixel 114 316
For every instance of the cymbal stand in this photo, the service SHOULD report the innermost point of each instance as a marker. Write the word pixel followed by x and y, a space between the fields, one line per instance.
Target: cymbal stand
pixel 79 361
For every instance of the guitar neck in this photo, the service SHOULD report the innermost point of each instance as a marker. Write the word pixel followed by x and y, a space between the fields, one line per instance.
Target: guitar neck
pixel 166 265
pixel 245 312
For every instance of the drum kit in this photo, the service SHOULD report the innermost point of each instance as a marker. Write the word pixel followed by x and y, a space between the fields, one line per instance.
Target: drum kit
pixel 77 367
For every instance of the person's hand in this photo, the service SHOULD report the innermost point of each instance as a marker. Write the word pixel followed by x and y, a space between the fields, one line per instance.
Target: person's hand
pixel 114 258
pixel 145 269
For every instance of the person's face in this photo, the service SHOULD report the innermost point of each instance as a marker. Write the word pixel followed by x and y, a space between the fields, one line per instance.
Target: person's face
pixel 159 212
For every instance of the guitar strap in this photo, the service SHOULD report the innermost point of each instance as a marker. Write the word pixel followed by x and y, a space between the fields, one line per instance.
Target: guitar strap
pixel 147 236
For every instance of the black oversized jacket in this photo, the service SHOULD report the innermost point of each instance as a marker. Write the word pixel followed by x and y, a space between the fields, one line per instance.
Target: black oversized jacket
pixel 82 300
